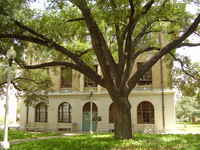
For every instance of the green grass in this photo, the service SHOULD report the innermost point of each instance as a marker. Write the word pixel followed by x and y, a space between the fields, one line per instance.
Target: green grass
pixel 107 142
pixel 18 134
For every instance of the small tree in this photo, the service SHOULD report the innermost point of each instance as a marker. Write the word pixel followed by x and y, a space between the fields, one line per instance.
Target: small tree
pixel 188 109
pixel 116 32
pixel 187 79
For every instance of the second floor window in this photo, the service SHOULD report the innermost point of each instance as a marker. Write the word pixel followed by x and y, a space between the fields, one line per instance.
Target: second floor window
pixel 146 79
pixel 66 77
pixel 88 82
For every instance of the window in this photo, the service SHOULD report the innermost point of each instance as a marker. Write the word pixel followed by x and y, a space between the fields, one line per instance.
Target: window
pixel 86 107
pixel 66 77
pixel 145 113
pixel 41 112
pixel 146 79
pixel 112 113
pixel 88 82
pixel 64 113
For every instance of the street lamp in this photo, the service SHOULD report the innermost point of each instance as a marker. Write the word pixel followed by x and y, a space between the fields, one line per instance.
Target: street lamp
pixel 11 54
pixel 91 113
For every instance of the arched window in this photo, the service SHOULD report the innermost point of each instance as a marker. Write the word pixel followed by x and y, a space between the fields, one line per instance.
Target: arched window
pixel 86 107
pixel 64 113
pixel 41 112
pixel 112 113
pixel 145 113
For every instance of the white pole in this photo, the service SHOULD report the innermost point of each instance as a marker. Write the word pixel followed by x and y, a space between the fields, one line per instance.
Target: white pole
pixel 91 115
pixel 11 54
pixel 5 144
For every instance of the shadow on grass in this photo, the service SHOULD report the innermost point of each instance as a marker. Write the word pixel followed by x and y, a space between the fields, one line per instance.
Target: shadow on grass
pixel 18 134
pixel 107 142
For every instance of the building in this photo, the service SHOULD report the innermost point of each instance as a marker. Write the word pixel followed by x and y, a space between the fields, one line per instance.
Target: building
pixel 75 97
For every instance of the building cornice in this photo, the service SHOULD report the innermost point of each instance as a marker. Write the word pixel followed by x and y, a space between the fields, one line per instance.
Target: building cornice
pixel 135 92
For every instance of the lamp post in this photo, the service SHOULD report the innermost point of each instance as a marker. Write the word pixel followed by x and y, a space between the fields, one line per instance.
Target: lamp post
pixel 91 113
pixel 11 54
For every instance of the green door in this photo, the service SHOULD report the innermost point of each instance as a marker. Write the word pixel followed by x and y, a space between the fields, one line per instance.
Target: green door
pixel 86 121
pixel 86 117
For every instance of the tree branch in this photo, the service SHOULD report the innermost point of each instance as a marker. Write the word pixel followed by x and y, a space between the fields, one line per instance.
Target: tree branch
pixel 147 7
pixel 118 34
pixel 132 6
pixel 26 28
pixel 16 87
pixel 148 49
pixel 19 78
pixel 133 19
pixel 188 44
pixel 49 43
pixel 198 34
pixel 75 19
pixel 195 77
pixel 172 45
pixel 86 71
pixel 81 53
pixel 27 79
pixel 127 37
pixel 143 32
pixel 2 83
pixel 103 53
pixel 59 48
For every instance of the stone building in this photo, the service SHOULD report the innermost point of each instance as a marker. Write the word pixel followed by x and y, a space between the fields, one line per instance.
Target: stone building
pixel 75 98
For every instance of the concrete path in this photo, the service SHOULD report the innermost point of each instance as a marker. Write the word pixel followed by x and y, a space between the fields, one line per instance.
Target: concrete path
pixel 19 141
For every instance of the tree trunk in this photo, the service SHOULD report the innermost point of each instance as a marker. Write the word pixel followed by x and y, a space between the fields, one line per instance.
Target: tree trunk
pixel 193 119
pixel 123 128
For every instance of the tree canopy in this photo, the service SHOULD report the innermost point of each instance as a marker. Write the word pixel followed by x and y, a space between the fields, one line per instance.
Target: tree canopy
pixel 188 109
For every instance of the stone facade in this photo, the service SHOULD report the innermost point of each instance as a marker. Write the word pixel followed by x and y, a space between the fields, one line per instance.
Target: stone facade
pixel 78 96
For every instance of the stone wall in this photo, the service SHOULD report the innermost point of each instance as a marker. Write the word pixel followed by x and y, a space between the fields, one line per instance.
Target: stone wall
pixel 103 102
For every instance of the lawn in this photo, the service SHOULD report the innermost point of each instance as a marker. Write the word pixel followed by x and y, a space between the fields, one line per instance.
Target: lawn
pixel 107 142
pixel 18 134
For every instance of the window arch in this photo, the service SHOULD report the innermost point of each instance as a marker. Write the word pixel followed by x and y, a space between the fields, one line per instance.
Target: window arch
pixel 86 107
pixel 112 112
pixel 64 112
pixel 145 113
pixel 41 112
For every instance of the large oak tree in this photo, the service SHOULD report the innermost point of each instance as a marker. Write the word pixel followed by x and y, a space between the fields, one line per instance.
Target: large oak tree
pixel 115 32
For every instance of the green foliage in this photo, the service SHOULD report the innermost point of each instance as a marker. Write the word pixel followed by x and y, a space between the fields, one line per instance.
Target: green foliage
pixel 187 109
pixel 188 82
pixel 53 23
pixel 106 142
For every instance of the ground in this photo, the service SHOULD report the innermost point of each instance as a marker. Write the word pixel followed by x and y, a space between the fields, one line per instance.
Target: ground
pixel 189 127
pixel 56 141
pixel 107 142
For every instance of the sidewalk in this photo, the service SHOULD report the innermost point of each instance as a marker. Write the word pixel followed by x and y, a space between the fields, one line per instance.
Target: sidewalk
pixel 19 141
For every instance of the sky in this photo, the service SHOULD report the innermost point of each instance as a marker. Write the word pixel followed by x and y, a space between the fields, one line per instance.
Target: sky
pixel 192 52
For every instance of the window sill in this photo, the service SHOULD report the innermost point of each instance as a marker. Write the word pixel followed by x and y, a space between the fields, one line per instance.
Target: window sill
pixel 145 123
